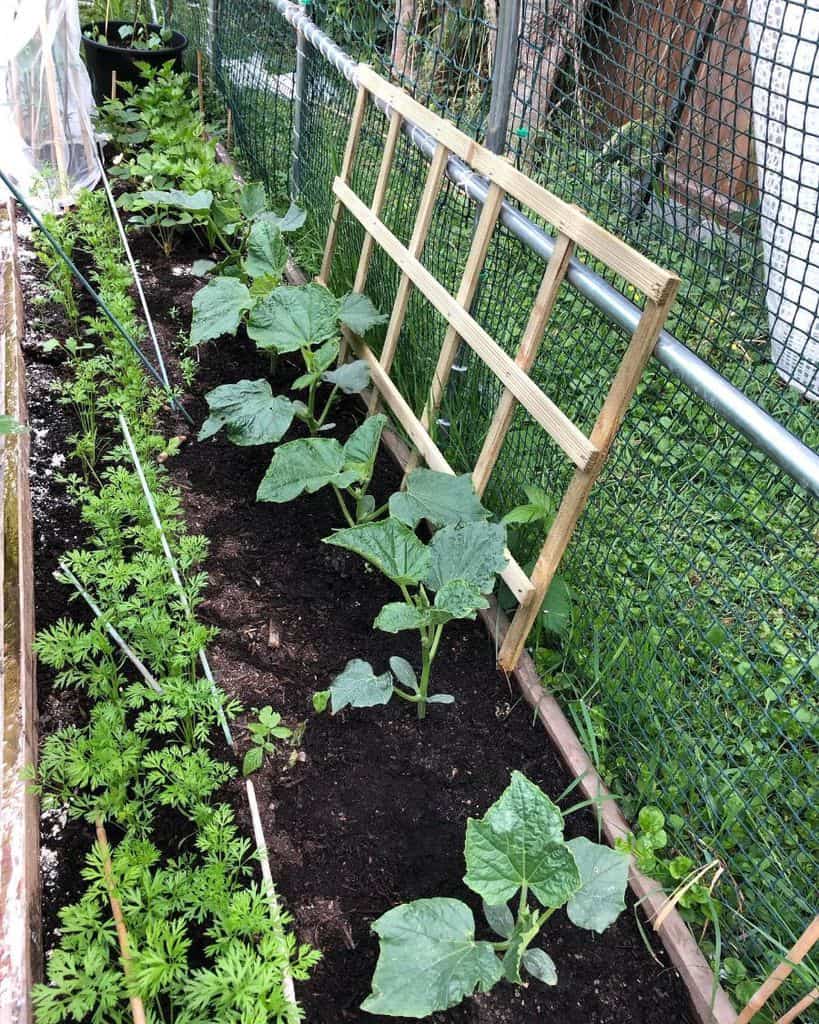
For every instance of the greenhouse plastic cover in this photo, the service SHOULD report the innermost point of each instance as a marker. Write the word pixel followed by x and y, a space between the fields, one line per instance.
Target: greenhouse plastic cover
pixel 47 145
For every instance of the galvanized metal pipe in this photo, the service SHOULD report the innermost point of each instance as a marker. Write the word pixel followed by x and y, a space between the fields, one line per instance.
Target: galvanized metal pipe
pixel 783 448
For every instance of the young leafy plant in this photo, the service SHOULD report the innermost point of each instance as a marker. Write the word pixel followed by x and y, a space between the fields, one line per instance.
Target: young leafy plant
pixel 440 581
pixel 263 733
pixel 429 958
pixel 308 464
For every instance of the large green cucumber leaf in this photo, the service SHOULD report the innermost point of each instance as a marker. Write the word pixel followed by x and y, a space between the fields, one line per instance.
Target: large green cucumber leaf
pixel 291 318
pixel 604 875
pixel 303 466
pixel 291 221
pixel 520 840
pixel 252 199
pixel 398 615
pixel 361 447
pixel 218 308
pixel 249 411
pixel 457 599
pixel 266 251
pixel 359 314
pixel 359 687
pixel 441 498
pixel 472 552
pixel 389 546
pixel 350 377
pixel 174 197
pixel 429 959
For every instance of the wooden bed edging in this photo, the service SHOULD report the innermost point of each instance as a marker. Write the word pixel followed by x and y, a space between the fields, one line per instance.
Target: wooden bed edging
pixel 20 938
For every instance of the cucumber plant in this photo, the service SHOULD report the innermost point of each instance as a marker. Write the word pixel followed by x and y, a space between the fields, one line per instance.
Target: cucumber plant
pixel 439 581
pixel 429 958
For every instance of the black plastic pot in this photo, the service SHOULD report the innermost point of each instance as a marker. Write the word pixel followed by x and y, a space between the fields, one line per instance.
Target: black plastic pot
pixel 103 59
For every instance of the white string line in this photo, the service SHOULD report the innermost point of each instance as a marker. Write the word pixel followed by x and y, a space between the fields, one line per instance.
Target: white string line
pixel 115 636
pixel 137 279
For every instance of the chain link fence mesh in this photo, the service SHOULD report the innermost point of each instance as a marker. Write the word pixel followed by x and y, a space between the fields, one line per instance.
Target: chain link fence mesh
pixel 689 661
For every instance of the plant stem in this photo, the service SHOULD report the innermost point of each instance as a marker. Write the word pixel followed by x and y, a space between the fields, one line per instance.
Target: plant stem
pixel 343 505
pixel 376 513
pixel 327 406
pixel 423 683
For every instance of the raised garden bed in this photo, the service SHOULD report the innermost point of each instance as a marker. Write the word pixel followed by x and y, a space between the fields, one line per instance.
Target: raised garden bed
pixel 367 808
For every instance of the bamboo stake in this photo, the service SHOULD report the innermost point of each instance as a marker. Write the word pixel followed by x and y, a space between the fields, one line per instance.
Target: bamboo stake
pixel 200 84
pixel 137 1009
pixel 800 950
pixel 229 129
pixel 54 110
pixel 800 1007
pixel 114 84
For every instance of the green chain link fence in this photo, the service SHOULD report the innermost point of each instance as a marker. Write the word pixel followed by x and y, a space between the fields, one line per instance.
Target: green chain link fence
pixel 689 659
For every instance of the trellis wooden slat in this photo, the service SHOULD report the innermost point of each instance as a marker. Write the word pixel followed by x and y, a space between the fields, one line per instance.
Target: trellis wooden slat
pixel 525 358
pixel 570 438
pixel 574 231
pixel 416 247
pixel 346 167
pixel 465 296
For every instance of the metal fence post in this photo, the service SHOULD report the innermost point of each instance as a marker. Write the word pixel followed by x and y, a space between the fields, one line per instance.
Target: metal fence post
pixel 503 76
pixel 302 46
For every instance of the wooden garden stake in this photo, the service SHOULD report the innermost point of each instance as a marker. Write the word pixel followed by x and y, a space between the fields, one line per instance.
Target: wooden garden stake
pixel 800 950
pixel 137 1009
pixel 200 84
pixel 58 132
pixel 114 84
pixel 800 1007
pixel 465 296
pixel 229 129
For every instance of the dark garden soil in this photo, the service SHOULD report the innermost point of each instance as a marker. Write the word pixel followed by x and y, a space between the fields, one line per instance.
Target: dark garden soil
pixel 370 809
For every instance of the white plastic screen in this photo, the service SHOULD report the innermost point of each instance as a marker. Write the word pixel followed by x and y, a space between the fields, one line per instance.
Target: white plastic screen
pixel 46 138
pixel 784 41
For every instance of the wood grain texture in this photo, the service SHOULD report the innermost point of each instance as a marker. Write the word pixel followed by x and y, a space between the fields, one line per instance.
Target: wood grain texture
pixel 630 264
pixel 525 358
pixel 570 438
pixel 20 937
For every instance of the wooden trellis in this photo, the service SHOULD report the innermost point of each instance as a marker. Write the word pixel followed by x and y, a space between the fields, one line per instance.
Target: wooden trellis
pixel 574 229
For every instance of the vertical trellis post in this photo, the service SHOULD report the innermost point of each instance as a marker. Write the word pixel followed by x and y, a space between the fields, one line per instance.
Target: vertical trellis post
pixel 300 80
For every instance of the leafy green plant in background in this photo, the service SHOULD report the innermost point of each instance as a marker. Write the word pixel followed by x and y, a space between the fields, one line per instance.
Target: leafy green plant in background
pixel 439 581
pixel 429 957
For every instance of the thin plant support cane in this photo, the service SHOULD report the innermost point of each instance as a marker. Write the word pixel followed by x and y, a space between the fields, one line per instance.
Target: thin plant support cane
pixel 64 571
pixel 126 245
pixel 137 1008
pixel 169 557
pixel 803 945
pixel 574 231
pixel 800 1007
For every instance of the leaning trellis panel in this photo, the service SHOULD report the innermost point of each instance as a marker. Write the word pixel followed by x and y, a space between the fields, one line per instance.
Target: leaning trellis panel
pixel 574 230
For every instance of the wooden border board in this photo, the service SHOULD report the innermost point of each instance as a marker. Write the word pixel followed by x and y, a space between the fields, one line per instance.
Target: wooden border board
pixel 573 230
pixel 20 952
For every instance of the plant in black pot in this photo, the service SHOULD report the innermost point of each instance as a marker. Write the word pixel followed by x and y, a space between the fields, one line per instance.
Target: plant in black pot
pixel 115 48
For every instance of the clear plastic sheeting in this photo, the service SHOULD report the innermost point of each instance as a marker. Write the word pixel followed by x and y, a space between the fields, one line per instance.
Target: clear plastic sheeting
pixel 46 137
